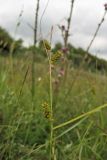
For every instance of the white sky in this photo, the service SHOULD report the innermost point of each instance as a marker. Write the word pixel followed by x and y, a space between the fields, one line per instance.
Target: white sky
pixel 86 16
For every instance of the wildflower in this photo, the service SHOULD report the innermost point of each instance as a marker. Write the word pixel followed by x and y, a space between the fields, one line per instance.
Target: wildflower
pixel 105 5
pixel 56 56
pixel 65 50
pixel 39 79
pixel 63 28
pixel 62 72
pixel 47 112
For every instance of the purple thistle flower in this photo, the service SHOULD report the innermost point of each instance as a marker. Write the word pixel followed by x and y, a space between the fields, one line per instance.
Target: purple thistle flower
pixel 63 27
pixel 65 50
pixel 62 72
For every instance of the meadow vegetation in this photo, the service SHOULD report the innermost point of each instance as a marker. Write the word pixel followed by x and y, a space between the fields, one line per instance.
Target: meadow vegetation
pixel 24 127
pixel 64 117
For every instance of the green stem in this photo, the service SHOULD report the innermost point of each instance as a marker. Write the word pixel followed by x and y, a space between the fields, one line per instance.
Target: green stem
pixel 97 109
pixel 51 107
pixel 33 76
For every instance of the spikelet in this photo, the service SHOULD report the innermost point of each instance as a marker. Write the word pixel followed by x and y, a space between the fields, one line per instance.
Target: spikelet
pixel 47 112
pixel 56 56
pixel 47 45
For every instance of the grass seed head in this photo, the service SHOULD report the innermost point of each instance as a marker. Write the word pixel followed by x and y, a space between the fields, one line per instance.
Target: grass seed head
pixel 47 112
pixel 56 56
pixel 47 45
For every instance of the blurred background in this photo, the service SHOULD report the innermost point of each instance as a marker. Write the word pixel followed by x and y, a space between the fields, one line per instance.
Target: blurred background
pixel 86 16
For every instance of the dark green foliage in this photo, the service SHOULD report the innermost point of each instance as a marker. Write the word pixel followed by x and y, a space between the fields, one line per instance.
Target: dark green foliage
pixel 5 41
pixel 8 44
pixel 75 55
pixel 58 46
pixel 92 63
pixel 24 129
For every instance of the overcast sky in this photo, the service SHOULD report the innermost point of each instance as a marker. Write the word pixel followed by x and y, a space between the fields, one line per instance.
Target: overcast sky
pixel 86 16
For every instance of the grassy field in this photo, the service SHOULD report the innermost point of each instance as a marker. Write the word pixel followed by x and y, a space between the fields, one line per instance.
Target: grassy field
pixel 24 128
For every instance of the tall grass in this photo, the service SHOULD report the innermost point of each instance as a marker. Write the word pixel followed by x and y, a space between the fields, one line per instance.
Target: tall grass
pixel 35 43
pixel 71 128
pixel 26 134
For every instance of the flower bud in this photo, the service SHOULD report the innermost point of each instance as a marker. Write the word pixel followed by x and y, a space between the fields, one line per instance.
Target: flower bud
pixel 105 5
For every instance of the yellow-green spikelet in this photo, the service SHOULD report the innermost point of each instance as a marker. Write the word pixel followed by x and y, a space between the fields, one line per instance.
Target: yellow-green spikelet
pixel 47 45
pixel 47 112
pixel 56 56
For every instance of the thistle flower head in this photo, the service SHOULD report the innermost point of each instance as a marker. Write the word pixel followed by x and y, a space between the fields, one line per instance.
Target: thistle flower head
pixel 64 50
pixel 63 27
pixel 62 72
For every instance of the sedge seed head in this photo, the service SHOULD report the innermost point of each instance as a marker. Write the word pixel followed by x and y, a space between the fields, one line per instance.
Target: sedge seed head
pixel 46 45
pixel 56 56
pixel 46 110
